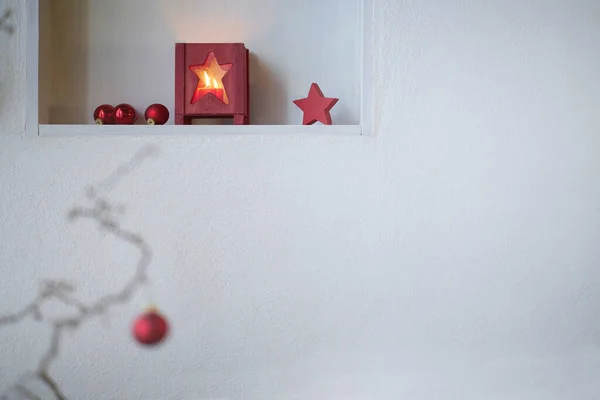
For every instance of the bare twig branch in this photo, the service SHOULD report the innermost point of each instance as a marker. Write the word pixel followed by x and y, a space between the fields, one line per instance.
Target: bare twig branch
pixel 5 26
pixel 27 393
pixel 103 213
pixel 53 386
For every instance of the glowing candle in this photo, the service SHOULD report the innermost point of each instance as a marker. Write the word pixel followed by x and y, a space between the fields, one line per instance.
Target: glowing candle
pixel 210 75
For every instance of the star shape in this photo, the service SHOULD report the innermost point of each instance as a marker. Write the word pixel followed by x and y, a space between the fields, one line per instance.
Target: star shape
pixel 316 106
pixel 210 74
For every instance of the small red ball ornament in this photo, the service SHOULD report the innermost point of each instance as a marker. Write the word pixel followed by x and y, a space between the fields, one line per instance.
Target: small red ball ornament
pixel 125 114
pixel 104 114
pixel 156 114
pixel 150 328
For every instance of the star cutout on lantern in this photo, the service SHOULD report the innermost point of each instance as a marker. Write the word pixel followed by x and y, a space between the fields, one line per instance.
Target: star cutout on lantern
pixel 210 79
pixel 316 106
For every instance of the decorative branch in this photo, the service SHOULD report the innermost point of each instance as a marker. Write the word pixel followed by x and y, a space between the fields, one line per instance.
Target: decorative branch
pixel 5 25
pixel 103 212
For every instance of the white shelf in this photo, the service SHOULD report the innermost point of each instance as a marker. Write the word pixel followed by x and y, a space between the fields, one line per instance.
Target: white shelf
pixel 196 130
pixel 85 69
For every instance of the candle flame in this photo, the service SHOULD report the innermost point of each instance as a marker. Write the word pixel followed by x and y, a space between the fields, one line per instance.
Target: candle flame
pixel 208 83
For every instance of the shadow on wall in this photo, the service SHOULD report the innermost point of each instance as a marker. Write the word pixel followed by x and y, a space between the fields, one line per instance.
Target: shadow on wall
pixel 63 61
pixel 266 88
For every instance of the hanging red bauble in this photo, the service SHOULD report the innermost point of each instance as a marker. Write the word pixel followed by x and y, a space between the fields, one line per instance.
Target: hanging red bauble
pixel 156 114
pixel 125 114
pixel 104 114
pixel 150 328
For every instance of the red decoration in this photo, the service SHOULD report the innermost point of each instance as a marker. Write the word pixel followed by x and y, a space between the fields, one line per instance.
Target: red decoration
pixel 104 114
pixel 150 328
pixel 156 114
pixel 125 114
pixel 211 81
pixel 316 106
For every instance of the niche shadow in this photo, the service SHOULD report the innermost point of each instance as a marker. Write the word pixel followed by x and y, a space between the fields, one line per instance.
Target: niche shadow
pixel 63 61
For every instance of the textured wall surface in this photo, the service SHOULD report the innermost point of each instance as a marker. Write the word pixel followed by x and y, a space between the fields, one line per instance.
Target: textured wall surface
pixel 453 256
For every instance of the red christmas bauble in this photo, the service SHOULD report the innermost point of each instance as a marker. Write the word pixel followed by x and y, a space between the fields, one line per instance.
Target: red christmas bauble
pixel 150 328
pixel 104 114
pixel 156 114
pixel 125 114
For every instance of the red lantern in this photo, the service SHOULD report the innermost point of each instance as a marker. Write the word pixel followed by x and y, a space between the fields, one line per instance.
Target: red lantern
pixel 211 81
pixel 156 114
pixel 125 114
pixel 150 328
pixel 104 114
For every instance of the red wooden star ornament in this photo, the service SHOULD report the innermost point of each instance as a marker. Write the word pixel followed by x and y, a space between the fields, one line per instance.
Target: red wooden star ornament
pixel 316 106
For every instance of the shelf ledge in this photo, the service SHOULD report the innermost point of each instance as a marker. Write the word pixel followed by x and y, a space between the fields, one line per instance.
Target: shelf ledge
pixel 197 130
